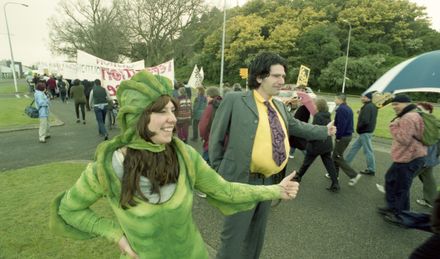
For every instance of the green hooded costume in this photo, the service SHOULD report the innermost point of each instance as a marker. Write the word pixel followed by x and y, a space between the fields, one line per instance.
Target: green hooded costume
pixel 164 230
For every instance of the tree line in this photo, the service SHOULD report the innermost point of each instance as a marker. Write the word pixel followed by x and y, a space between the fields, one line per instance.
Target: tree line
pixel 313 33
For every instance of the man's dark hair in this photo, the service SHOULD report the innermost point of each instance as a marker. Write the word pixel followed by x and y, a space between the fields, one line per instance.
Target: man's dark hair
pixel 97 82
pixel 342 97
pixel 260 67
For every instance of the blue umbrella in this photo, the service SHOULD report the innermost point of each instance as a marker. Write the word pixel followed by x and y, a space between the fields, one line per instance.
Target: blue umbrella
pixel 418 74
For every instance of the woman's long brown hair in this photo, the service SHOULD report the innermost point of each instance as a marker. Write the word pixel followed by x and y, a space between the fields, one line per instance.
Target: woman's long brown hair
pixel 160 168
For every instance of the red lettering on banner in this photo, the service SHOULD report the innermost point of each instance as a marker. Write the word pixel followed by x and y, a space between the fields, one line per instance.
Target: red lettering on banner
pixel 112 89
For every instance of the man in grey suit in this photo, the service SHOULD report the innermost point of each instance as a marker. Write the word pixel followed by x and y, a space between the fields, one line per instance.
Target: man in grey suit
pixel 249 144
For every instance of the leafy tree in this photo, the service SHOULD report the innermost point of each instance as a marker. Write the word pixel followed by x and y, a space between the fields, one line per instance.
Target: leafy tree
pixel 89 26
pixel 154 25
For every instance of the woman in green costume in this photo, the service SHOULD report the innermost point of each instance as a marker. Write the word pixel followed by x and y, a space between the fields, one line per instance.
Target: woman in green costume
pixel 149 177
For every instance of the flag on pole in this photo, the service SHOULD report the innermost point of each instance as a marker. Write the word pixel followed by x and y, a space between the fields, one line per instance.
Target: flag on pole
pixel 196 77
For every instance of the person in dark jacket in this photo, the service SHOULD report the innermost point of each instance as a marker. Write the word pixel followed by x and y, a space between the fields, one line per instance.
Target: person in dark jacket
pixel 214 99
pixel 99 98
pixel 77 94
pixel 321 148
pixel 431 247
pixel 365 128
pixel 198 107
pixel 344 124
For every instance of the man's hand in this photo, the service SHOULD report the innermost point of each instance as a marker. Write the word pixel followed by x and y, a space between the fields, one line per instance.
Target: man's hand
pixel 125 248
pixel 331 129
pixel 289 187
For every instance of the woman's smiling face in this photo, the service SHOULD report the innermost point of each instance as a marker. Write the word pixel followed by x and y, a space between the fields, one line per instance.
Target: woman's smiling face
pixel 162 124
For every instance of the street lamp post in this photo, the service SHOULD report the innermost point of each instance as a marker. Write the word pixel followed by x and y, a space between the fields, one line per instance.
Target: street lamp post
pixel 223 48
pixel 346 57
pixel 10 44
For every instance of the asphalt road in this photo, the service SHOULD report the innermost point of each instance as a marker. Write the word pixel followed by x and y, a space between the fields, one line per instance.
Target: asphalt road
pixel 317 224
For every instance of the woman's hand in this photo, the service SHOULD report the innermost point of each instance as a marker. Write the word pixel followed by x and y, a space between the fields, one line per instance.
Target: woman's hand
pixel 125 248
pixel 331 129
pixel 289 187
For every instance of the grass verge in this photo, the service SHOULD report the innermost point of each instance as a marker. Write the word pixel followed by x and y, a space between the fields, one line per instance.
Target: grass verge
pixel 13 115
pixel 25 198
pixel 10 89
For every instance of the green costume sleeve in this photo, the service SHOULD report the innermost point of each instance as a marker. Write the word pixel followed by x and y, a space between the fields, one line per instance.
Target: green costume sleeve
pixel 229 197
pixel 74 208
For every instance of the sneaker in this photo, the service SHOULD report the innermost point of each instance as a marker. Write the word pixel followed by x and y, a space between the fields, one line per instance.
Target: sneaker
pixel 423 202
pixel 106 137
pixel 201 194
pixel 380 188
pixel 334 188
pixel 393 219
pixel 77 121
pixel 42 141
pixel 384 210
pixel 84 122
pixel 368 172
pixel 328 176
pixel 353 181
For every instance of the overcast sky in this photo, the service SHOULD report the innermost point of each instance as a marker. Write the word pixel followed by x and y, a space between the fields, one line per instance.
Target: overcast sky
pixel 29 30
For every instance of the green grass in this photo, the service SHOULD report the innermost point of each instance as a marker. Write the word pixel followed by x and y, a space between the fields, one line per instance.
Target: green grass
pixel 25 198
pixel 10 89
pixel 384 117
pixel 13 115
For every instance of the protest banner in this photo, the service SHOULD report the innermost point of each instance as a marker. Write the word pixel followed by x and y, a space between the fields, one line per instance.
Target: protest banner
pixel 65 69
pixel 165 69
pixel 110 73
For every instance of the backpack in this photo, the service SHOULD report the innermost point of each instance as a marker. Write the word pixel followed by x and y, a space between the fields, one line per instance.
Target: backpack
pixel 431 133
pixel 184 110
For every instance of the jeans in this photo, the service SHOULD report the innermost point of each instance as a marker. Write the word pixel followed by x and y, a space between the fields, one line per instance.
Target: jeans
pixel 398 180
pixel 364 141
pixel 100 118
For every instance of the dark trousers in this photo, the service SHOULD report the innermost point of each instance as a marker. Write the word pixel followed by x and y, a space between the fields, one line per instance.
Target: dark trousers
pixel 100 118
pixel 83 113
pixel 428 250
pixel 195 128
pixel 326 160
pixel 398 180
pixel 338 157
pixel 242 236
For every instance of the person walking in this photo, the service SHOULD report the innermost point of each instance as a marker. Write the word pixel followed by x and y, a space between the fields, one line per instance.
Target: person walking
pixel 425 174
pixel 198 107
pixel 42 104
pixel 322 148
pixel 183 114
pixel 99 98
pixel 254 125
pixel 148 177
pixel 79 99
pixel 365 127
pixel 407 154
pixel 214 99
pixel 61 84
pixel 344 124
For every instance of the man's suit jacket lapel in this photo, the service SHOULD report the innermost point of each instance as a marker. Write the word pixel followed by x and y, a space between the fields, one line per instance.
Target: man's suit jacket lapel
pixel 248 99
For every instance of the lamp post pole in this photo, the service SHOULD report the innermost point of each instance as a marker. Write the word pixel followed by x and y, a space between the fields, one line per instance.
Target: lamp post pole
pixel 223 48
pixel 10 44
pixel 346 56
